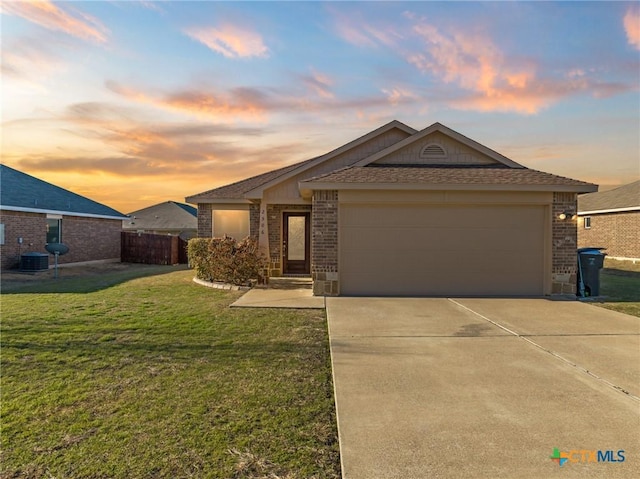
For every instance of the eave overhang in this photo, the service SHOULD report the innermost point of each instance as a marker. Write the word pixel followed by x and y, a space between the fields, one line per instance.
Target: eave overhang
pixel 307 188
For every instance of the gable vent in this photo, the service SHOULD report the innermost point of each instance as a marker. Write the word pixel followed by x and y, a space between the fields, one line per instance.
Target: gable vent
pixel 433 150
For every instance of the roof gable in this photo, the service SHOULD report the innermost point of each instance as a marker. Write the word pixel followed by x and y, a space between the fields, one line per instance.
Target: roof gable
pixel 287 189
pixel 438 145
pixel 393 125
pixel 623 198
pixel 22 192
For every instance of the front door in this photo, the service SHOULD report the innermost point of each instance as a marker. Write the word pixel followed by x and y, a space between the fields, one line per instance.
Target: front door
pixel 296 239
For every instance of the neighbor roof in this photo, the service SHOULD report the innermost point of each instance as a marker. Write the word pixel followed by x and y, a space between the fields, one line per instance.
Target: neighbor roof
pixel 437 177
pixel 22 192
pixel 623 198
pixel 168 216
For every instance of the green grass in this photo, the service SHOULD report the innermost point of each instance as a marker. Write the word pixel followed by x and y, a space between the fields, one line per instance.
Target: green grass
pixel 620 287
pixel 155 377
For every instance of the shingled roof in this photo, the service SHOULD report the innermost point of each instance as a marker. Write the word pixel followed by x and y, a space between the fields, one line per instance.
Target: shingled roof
pixel 623 198
pixel 22 192
pixel 467 176
pixel 167 216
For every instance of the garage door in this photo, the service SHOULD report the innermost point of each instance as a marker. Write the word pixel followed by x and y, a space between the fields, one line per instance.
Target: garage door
pixel 405 250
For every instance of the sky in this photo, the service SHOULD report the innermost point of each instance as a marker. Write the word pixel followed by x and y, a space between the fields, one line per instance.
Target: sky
pixel 138 102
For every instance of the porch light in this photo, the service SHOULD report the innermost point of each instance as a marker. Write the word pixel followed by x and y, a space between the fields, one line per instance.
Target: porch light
pixel 567 214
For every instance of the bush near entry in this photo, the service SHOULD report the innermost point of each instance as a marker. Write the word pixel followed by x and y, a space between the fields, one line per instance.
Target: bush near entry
pixel 225 260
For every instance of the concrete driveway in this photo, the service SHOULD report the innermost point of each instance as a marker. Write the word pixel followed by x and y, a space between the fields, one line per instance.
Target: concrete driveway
pixel 484 388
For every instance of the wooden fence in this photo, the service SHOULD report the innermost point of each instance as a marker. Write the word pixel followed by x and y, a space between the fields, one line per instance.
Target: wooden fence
pixel 150 248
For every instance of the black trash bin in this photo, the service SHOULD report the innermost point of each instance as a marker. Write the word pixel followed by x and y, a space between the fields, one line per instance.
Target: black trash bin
pixel 590 262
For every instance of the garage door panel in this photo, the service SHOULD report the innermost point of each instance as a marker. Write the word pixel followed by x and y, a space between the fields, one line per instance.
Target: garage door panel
pixel 412 262
pixel 440 216
pixel 440 250
pixel 445 239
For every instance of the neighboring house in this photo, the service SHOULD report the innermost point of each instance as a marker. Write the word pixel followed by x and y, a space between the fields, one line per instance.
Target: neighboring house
pixel 169 217
pixel 400 212
pixel 34 213
pixel 611 219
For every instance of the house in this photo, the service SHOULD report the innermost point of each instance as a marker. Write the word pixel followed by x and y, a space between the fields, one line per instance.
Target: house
pixel 170 218
pixel 34 213
pixel 611 219
pixel 401 212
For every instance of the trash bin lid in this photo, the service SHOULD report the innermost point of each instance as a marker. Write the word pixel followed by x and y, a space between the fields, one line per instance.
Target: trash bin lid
pixel 592 250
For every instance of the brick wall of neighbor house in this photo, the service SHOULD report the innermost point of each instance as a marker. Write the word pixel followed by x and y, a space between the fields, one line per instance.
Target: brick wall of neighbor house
pixel 274 221
pixel 205 220
pixel 618 232
pixel 88 239
pixel 31 227
pixel 564 236
pixel 324 249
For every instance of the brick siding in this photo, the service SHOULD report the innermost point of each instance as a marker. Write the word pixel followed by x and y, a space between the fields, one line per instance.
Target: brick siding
pixel 324 243
pixel 254 221
pixel 618 232
pixel 564 237
pixel 88 239
pixel 205 220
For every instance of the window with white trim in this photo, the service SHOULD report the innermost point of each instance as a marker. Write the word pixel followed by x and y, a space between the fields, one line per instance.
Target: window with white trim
pixel 587 222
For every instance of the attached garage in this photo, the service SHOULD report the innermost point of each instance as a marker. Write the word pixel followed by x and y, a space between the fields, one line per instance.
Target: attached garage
pixel 428 247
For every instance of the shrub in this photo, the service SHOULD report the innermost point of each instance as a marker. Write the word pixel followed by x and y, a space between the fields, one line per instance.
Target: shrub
pixel 225 260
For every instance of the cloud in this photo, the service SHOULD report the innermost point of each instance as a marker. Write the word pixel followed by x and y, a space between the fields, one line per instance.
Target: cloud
pixel 318 83
pixel 229 40
pixel 632 26
pixel 490 80
pixel 151 5
pixel 237 103
pixel 476 64
pixel 352 27
pixel 29 57
pixel 52 17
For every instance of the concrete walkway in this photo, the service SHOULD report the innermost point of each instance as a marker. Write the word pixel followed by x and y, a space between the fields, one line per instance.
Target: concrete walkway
pixel 294 293
pixel 484 388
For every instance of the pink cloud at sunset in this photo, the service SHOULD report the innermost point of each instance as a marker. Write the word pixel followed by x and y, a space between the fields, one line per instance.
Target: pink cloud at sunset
pixel 478 66
pixel 52 17
pixel 318 83
pixel 231 41
pixel 240 103
pixel 632 26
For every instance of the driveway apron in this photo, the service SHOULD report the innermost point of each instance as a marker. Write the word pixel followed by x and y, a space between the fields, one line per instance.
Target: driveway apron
pixel 436 387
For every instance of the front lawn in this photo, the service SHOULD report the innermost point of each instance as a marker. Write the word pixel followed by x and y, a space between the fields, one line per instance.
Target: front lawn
pixel 156 377
pixel 620 286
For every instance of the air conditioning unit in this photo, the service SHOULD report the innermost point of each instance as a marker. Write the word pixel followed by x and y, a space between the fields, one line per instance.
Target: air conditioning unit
pixel 34 262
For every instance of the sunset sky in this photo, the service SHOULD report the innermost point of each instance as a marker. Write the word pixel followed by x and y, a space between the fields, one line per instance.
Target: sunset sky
pixel 139 102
